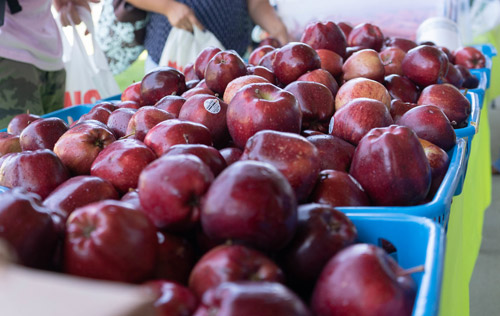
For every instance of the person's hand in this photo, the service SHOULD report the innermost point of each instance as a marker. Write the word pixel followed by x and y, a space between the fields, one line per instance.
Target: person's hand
pixel 181 16
pixel 67 10
pixel 281 35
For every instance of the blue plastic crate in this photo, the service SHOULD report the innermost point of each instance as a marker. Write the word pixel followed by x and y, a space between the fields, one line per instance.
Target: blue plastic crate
pixel 418 241
pixel 481 88
pixel 112 98
pixel 439 208
pixel 489 51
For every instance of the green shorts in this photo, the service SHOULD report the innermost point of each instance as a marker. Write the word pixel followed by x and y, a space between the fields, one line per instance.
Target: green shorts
pixel 24 87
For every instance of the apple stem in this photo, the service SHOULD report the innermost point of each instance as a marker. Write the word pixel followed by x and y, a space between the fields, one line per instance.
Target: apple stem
pixel 388 63
pixel 465 91
pixel 28 111
pixel 409 271
pixel 127 136
pixel 70 120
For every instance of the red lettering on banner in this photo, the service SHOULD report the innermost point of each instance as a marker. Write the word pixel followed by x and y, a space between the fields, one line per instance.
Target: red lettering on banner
pixel 91 96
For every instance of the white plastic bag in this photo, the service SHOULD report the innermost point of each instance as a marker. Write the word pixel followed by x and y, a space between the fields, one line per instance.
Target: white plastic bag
pixel 88 77
pixel 182 47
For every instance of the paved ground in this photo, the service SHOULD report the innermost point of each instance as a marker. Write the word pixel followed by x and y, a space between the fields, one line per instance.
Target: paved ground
pixel 485 284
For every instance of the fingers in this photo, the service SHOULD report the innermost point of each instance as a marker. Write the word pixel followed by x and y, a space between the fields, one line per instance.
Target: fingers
pixel 194 21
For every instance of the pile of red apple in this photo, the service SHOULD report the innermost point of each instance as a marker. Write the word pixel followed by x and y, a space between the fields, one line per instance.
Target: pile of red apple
pixel 218 186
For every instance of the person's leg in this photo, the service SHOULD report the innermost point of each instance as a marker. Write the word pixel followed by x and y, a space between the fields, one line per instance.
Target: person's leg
pixel 19 90
pixel 53 90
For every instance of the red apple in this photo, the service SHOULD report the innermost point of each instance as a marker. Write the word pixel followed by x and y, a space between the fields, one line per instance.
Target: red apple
pixel 293 60
pixel 172 299
pixel 330 61
pixel 267 209
pixel 230 263
pixel 338 188
pixel 175 259
pixel 271 41
pixel 470 81
pixel 391 166
pixel 267 60
pixel 258 53
pixel 172 132
pixel 97 113
pixel 439 162
pixel 346 28
pixel 132 93
pixel 321 76
pixel 160 82
pixel 80 145
pixel 209 155
pixel 366 35
pixel 170 190
pixel 401 43
pixel 365 63
pixel 392 59
pixel 198 90
pixel 231 154
pixel 132 199
pixel 28 227
pixel 469 57
pixel 77 192
pixel 335 152
pixel 42 133
pixel 9 143
pixel 171 104
pixel 315 101
pixel 361 88
pixel 191 84
pixel 262 72
pixel 425 65
pixel 39 171
pixel 454 76
pixel 239 83
pixel 375 284
pixel 355 119
pixel 19 122
pixel 110 241
pixel 402 88
pixel 246 298
pixel 190 73
pixel 260 106
pixel 223 68
pixel 450 100
pixel 295 157
pixel 430 123
pixel 202 60
pixel 118 121
pixel 122 162
pixel 145 119
pixel 128 105
pixel 398 108
pixel 327 35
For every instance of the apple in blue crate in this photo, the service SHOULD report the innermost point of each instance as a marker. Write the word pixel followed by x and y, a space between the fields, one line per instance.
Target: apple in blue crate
pixel 9 143
pixel 366 35
pixel 80 145
pixel 338 188
pixel 231 263
pixel 160 82
pixel 77 192
pixel 223 68
pixel 469 57
pixel 439 162
pixel 454 76
pixel 20 121
pixel 39 171
pixel 363 279
pixel 144 120
pixel 327 35
pixel 470 81
pixel 42 133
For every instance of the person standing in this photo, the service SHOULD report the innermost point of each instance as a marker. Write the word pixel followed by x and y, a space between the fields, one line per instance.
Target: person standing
pixel 32 75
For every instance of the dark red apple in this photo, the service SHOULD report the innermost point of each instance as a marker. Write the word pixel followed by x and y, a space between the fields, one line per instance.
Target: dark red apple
pixel 28 227
pixel 231 263
pixel 20 121
pixel 202 84
pixel 145 119
pixel 175 259
pixel 358 117
pixel 132 93
pixel 402 88
pixel 132 198
pixel 450 100
pixel 170 190
pixel 258 53
pixel 374 284
pixel 9 143
pixel 266 204
pixel 398 108
pixel 262 72
pixel 439 162
pixel 209 155
pixel 365 63
pixel 231 154
pixel 247 298
pixel 425 65
pixel 202 60
pixel 366 35
pixel 239 83
pixel 128 105
pixel 391 166
pixel 322 231
pixel 172 132
pixel 108 240
pixel 262 106
pixel 267 60
pixel 295 157
pixel 172 299
pixel 430 123
pixel 122 162
pixel 80 145
pixel 223 68
pixel 321 76
pixel 97 113
pixel 345 27
pixel 402 43
pixel 392 59
pixel 118 121
pixel 190 73
pixel 160 82
pixel 335 153
pixel 330 61
pixel 293 60
pixel 42 133
pixel 77 192
pixel 39 171
pixel 470 81
pixel 171 104
pixel 454 76
pixel 271 41
pixel 469 57
pixel 110 106
pixel 361 88
pixel 191 84
pixel 327 35
pixel 315 101
pixel 198 90
pixel 338 188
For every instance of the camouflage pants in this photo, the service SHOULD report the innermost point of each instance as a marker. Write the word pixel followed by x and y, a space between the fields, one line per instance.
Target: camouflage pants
pixel 25 87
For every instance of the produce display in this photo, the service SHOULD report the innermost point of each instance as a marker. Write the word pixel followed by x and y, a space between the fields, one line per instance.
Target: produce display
pixel 216 188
